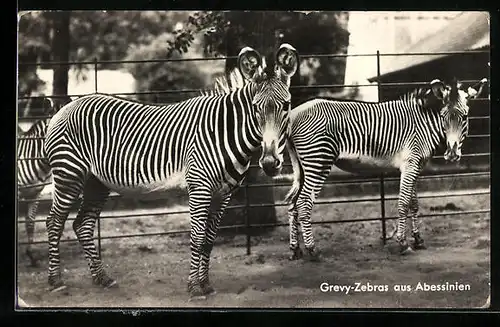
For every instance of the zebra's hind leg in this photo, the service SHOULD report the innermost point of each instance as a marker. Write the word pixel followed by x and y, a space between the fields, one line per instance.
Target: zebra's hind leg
pixel 294 232
pixel 304 208
pixel 199 204
pixel 95 195
pixel 29 223
pixel 418 243
pixel 67 188
pixel 210 234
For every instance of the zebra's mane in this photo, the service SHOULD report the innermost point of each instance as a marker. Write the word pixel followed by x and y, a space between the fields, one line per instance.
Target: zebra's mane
pixel 226 84
pixel 417 95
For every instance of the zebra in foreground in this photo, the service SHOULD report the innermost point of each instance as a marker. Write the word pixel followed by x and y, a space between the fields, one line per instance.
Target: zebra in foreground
pixel 360 136
pixel 99 143
pixel 32 172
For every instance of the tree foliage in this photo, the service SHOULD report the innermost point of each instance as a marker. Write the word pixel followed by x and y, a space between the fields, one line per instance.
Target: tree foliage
pixel 163 76
pixel 226 32
pixel 105 35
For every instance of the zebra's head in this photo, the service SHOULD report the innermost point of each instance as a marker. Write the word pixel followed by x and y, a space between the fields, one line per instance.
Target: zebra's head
pixel 454 112
pixel 271 100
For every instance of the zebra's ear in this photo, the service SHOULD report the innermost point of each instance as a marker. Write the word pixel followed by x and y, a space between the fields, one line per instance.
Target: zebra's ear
pixel 287 60
pixel 473 93
pixel 249 62
pixel 438 89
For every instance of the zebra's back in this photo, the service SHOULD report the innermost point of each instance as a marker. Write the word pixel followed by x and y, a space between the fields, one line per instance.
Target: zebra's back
pixel 131 147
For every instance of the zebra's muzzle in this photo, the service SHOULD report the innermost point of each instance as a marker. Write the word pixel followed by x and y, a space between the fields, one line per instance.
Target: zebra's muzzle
pixel 270 165
pixel 452 154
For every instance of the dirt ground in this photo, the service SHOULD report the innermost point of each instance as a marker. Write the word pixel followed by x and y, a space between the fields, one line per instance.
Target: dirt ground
pixel 152 272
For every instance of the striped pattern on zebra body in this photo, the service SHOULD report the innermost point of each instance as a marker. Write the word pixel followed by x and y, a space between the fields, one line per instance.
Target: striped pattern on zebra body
pixel 367 137
pixel 101 143
pixel 33 172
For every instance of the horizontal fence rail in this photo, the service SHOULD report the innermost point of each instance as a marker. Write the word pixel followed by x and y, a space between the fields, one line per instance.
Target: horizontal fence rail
pixel 381 179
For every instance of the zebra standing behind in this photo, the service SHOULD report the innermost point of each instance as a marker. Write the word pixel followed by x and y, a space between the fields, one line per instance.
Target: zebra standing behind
pixel 32 172
pixel 360 136
pixel 99 143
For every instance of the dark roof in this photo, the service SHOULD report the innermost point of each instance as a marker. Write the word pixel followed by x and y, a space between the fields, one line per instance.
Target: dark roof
pixel 467 31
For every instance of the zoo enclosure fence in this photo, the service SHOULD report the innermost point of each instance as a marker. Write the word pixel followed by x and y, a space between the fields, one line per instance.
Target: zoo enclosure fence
pixel 381 179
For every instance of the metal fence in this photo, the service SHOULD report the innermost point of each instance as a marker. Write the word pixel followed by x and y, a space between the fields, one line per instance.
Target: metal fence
pixel 381 179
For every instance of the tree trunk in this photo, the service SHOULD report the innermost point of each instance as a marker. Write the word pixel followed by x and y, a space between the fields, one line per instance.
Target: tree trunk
pixel 262 215
pixel 60 50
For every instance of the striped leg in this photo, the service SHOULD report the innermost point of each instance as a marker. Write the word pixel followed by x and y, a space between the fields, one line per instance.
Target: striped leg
pixel 293 221
pixel 415 221
pixel 29 223
pixel 66 191
pixel 409 176
pixel 210 235
pixel 94 197
pixel 199 205
pixel 305 201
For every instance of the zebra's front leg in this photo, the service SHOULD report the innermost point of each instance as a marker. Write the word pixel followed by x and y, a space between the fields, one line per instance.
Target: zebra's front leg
pixel 215 216
pixel 29 223
pixel 199 205
pixel 94 197
pixel 409 175
pixel 418 243
pixel 294 232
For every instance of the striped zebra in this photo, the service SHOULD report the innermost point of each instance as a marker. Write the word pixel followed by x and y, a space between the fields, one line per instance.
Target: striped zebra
pixel 32 173
pixel 100 143
pixel 360 136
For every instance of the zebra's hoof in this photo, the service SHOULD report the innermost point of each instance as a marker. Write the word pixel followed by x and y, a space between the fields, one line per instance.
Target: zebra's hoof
pixel 57 288
pixel 208 290
pixel 405 250
pixel 56 284
pixel 313 255
pixel 196 293
pixel 419 246
pixel 296 254
pixel 105 282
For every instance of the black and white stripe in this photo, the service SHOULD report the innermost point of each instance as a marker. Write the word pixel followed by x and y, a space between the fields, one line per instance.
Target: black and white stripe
pixel 32 172
pixel 355 136
pixel 101 142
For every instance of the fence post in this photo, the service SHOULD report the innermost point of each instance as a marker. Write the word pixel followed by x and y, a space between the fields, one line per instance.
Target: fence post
pixel 382 208
pixel 95 74
pixel 382 184
pixel 98 218
pixel 247 219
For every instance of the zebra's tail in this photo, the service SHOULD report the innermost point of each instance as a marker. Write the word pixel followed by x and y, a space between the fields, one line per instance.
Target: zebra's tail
pixel 297 173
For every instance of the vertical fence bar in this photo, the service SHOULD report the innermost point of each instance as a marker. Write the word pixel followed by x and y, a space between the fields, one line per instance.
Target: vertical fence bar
pixel 382 181
pixel 247 218
pixel 98 219
pixel 95 75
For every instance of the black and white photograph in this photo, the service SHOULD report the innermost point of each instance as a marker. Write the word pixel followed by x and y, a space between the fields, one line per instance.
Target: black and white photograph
pixel 253 159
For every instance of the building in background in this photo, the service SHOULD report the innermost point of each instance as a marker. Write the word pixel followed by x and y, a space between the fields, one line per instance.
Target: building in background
pixel 428 33
pixel 407 32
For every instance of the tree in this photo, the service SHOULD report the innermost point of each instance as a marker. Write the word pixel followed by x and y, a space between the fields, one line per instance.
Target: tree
pixel 160 76
pixel 105 35
pixel 226 32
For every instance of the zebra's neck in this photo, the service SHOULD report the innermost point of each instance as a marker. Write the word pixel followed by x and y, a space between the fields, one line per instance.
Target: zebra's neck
pixel 244 121
pixel 430 126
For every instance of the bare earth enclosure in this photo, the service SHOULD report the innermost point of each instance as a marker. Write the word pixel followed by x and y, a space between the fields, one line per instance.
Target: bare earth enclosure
pixel 152 272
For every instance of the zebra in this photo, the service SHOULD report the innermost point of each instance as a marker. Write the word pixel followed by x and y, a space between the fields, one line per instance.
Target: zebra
pixel 101 143
pixel 358 136
pixel 33 172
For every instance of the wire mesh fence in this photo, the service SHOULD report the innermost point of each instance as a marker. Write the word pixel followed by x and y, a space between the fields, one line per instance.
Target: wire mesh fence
pixel 381 179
